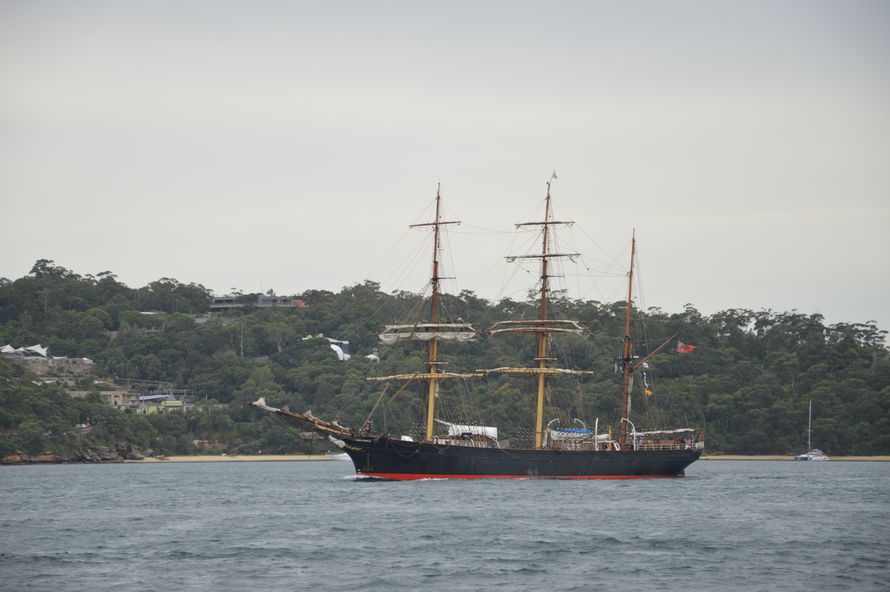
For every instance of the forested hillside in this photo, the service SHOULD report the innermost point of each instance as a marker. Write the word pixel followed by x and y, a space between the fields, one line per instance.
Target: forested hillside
pixel 747 384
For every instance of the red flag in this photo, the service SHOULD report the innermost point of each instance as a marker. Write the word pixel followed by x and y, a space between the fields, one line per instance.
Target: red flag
pixel 683 348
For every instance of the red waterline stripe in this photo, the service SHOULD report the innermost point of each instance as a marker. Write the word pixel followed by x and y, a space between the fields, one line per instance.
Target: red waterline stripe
pixel 415 476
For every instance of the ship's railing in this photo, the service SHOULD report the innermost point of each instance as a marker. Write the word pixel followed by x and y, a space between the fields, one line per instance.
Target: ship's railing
pixel 576 445
pixel 666 446
pixel 572 446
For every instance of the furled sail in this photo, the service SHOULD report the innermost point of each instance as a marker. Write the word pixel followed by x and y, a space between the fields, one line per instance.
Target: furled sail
pixel 457 429
pixel 574 434
pixel 511 370
pixel 421 376
pixel 666 432
pixel 538 326
pixel 427 332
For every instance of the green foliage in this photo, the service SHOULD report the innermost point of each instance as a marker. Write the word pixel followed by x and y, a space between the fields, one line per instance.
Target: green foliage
pixel 747 384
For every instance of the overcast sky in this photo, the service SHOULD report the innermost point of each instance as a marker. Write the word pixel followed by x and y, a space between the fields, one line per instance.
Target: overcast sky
pixel 287 145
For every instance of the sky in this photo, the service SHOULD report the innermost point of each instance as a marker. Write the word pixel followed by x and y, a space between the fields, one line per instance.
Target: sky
pixel 287 145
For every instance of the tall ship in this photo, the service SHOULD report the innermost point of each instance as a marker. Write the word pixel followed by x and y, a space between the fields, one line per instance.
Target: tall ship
pixel 556 449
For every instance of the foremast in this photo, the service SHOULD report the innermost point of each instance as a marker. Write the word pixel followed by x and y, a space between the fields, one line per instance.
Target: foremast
pixel 544 326
pixel 431 332
pixel 433 347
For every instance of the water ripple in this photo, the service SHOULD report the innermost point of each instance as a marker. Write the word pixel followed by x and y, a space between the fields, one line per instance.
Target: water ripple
pixel 286 526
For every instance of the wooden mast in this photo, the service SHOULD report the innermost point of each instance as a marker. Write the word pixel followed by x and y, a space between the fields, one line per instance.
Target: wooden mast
pixel 431 332
pixel 542 335
pixel 544 326
pixel 433 349
pixel 627 358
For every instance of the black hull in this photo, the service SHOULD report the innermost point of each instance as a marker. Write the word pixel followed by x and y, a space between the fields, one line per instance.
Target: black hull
pixel 395 459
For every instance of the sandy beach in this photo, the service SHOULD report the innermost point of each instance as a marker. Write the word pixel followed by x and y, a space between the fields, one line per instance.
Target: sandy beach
pixel 240 458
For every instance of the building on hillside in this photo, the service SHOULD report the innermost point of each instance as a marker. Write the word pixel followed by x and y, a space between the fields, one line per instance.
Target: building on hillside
pixel 161 403
pixel 59 366
pixel 37 360
pixel 172 405
pixel 122 399
pixel 280 302
pixel 203 319
pixel 228 302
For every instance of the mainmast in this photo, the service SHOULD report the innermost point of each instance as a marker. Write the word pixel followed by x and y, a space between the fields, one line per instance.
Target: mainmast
pixel 542 336
pixel 627 358
pixel 544 326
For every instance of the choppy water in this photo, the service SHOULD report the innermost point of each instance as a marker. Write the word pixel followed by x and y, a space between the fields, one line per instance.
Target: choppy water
pixel 310 526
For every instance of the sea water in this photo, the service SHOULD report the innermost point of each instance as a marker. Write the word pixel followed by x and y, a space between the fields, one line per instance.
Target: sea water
pixel 289 526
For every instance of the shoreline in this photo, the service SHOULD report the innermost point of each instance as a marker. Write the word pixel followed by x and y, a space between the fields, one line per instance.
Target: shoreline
pixel 199 458
pixel 238 458
pixel 779 457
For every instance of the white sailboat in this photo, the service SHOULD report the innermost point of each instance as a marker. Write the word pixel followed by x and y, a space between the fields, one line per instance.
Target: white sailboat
pixel 814 453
